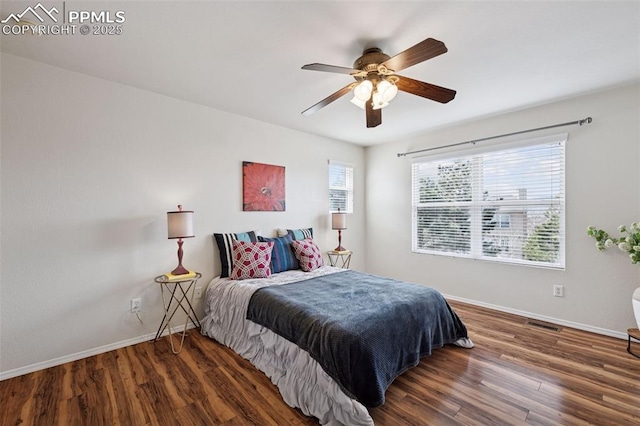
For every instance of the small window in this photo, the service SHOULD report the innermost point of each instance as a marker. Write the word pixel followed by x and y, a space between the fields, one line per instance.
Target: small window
pixel 503 203
pixel 503 220
pixel 340 187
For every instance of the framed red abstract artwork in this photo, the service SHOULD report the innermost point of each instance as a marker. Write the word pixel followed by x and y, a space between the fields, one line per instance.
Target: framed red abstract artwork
pixel 262 187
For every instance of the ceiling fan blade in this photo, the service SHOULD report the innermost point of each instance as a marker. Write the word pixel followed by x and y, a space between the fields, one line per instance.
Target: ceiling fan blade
pixel 326 101
pixel 374 116
pixel 330 68
pixel 422 51
pixel 426 90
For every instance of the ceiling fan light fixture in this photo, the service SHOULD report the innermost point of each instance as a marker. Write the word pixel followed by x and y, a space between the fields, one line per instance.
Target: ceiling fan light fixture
pixel 363 90
pixel 376 81
pixel 387 90
pixel 357 102
pixel 378 101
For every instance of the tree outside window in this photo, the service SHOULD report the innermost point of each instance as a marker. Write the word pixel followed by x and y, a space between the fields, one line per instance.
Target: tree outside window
pixel 503 204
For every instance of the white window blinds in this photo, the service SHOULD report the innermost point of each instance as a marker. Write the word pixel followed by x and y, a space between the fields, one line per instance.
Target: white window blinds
pixel 504 203
pixel 340 187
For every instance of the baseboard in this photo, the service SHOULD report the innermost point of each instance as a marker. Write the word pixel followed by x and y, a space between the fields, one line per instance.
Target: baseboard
pixel 583 327
pixel 84 354
pixel 124 343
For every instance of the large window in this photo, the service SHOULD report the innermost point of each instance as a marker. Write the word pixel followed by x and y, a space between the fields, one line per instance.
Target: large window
pixel 504 203
pixel 340 187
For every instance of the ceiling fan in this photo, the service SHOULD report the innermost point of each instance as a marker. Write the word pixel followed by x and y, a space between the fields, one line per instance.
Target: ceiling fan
pixel 377 82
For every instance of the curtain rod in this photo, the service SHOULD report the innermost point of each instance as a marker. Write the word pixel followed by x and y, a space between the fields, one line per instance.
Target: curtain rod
pixel 569 123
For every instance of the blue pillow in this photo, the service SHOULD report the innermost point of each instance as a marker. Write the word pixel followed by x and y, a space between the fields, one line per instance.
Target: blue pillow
pixel 282 256
pixel 297 234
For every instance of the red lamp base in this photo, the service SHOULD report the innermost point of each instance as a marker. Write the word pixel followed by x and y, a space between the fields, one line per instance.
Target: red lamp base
pixel 180 270
pixel 339 248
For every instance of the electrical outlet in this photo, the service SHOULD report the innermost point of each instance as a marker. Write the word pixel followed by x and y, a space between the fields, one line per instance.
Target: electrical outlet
pixel 136 305
pixel 198 292
pixel 558 291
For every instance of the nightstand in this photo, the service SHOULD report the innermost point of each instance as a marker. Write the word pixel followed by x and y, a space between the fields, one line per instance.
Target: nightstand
pixel 177 293
pixel 341 259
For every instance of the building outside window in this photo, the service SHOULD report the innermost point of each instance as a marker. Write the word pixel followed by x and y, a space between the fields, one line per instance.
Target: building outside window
pixel 501 203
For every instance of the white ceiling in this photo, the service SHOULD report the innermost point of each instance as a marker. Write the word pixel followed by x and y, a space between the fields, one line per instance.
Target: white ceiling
pixel 245 57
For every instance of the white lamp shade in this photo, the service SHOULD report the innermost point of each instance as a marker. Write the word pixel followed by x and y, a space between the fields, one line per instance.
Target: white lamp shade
pixel 338 220
pixel 363 90
pixel 387 90
pixel 180 224
pixel 378 101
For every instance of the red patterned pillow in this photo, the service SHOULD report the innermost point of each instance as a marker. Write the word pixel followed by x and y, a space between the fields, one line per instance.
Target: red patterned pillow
pixel 251 260
pixel 308 254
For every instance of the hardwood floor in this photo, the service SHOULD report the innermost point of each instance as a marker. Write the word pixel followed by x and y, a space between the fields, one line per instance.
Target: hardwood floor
pixel 516 374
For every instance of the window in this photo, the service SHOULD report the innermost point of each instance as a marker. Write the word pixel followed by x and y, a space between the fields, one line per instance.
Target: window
pixel 340 187
pixel 504 203
pixel 503 220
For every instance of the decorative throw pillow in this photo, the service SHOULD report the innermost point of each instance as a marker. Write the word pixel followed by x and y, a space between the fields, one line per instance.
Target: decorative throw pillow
pixel 308 254
pixel 282 256
pixel 296 234
pixel 225 246
pixel 251 260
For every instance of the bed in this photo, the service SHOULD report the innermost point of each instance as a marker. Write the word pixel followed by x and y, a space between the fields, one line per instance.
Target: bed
pixel 337 368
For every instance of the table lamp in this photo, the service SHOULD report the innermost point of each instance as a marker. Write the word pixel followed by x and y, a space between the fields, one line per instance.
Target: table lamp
pixel 180 225
pixel 339 222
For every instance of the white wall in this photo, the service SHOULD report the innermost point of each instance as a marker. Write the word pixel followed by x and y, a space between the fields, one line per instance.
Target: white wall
pixel 89 170
pixel 602 189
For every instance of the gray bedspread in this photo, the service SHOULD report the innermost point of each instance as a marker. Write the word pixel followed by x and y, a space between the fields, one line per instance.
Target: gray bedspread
pixel 363 330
